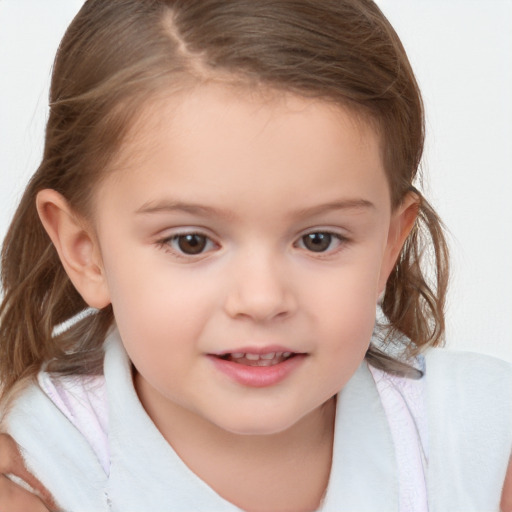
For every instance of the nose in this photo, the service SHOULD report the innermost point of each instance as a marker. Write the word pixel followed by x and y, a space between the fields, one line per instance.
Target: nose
pixel 260 290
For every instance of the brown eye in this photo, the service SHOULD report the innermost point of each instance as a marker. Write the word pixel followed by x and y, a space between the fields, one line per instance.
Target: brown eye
pixel 317 242
pixel 191 244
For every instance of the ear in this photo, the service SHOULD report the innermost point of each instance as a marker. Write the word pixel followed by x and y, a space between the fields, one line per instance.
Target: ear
pixel 402 222
pixel 76 245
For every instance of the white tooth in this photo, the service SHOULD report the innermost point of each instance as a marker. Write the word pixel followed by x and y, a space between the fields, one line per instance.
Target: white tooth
pixel 287 354
pixel 252 357
pixel 237 355
pixel 270 355
pixel 265 362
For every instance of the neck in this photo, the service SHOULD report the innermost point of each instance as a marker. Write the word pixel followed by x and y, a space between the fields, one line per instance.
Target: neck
pixel 288 470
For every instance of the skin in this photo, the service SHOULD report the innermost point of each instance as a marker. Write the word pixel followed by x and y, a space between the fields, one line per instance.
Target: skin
pixel 14 498
pixel 255 284
pixel 252 178
pixel 218 163
pixel 506 498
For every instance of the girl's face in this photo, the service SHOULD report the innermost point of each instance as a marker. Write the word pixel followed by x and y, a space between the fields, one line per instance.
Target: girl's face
pixel 244 245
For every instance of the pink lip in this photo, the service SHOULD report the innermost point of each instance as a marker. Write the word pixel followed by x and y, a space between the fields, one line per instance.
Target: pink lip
pixel 258 376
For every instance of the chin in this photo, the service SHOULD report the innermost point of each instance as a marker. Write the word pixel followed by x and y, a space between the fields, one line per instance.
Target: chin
pixel 258 425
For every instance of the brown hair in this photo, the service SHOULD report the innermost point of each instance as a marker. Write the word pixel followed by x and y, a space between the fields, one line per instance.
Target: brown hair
pixel 117 54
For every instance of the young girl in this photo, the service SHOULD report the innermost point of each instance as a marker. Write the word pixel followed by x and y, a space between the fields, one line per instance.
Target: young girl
pixel 191 278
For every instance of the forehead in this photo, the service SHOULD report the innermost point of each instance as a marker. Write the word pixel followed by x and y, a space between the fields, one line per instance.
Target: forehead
pixel 221 140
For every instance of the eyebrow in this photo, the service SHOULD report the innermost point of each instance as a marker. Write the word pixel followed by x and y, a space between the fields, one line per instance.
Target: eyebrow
pixel 346 204
pixel 167 206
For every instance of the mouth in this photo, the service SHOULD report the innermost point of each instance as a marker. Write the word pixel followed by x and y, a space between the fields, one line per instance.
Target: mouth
pixel 252 359
pixel 258 368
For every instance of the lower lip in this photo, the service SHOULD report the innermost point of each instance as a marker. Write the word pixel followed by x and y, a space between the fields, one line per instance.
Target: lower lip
pixel 258 376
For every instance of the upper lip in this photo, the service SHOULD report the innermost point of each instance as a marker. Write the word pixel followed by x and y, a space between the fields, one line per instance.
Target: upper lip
pixel 267 349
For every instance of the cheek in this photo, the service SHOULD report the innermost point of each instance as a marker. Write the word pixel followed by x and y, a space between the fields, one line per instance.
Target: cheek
pixel 160 328
pixel 162 313
pixel 143 284
pixel 346 308
pixel 158 312
pixel 347 327
pixel 154 304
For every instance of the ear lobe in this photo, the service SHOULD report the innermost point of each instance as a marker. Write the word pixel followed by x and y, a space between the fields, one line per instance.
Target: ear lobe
pixel 402 222
pixel 76 245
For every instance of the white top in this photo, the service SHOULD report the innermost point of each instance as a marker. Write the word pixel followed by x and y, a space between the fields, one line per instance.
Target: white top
pixel 97 427
pixel 404 403
pixel 84 403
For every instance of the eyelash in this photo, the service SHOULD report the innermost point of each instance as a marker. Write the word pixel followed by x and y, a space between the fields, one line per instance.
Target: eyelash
pixel 331 237
pixel 168 243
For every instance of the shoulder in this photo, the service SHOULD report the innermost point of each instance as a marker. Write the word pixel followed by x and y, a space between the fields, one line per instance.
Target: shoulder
pixel 79 398
pixel 469 381
pixel 468 374
pixel 469 404
pixel 459 360
pixel 470 394
pixel 45 420
pixel 83 401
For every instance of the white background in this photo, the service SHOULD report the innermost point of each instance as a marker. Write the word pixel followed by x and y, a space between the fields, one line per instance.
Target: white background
pixel 461 51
